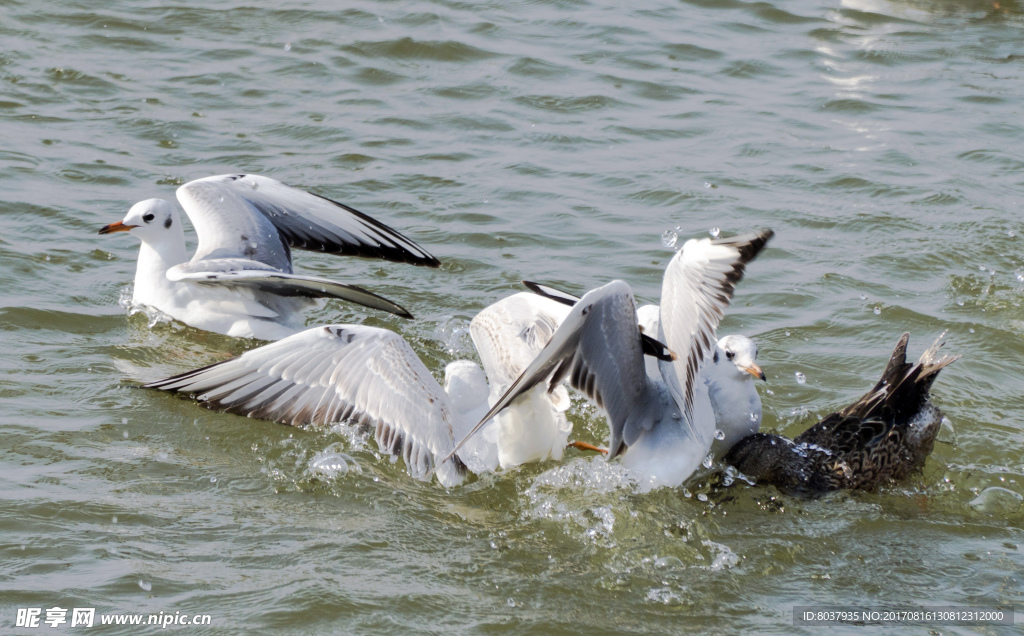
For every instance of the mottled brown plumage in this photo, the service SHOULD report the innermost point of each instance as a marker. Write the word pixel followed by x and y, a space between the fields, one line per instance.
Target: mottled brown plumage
pixel 880 438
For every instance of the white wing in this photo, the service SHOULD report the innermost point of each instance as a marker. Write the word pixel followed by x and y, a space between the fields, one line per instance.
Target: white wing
pixel 598 348
pixel 698 285
pixel 338 373
pixel 261 278
pixel 510 333
pixel 249 216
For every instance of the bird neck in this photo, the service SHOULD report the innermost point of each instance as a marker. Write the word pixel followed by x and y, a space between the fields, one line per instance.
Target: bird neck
pixel 151 280
pixel 736 404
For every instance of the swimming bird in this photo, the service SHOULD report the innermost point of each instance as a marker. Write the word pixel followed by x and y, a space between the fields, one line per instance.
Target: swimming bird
pixel 661 427
pixel 373 379
pixel 240 280
pixel 880 438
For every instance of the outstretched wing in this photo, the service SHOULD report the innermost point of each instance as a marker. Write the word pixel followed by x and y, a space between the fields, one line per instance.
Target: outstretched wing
pixel 509 334
pixel 256 217
pixel 246 274
pixel 338 373
pixel 598 348
pixel 698 286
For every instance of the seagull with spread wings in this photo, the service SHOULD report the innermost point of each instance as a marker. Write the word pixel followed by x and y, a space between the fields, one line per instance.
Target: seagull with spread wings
pixel 662 428
pixel 240 281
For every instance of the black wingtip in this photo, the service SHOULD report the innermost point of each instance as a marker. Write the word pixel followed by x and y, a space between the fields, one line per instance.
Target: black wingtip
pixel 749 245
pixel 396 253
pixel 551 293
pixel 653 347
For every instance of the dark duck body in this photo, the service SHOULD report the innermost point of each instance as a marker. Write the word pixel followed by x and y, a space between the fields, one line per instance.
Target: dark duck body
pixel 882 437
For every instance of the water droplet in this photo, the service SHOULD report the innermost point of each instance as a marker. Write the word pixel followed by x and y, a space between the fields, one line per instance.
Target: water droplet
pixel 145 585
pixel 997 501
pixel 1011 234
pixel 702 497
pixel 878 311
pixel 863 297
pixel 719 434
pixel 754 417
pixel 947 424
pixel 714 232
pixel 707 185
pixel 981 267
pixel 511 602
pixel 971 329
pixel 668 562
pixel 213 480
pixel 124 420
pixel 787 333
pixel 1020 275
pixel 800 378
pixel 960 303
pixel 669 238
pixel 687 493
pixel 288 46
pixel 708 460
pixel 124 434
pixel 113 519
pixel 47 257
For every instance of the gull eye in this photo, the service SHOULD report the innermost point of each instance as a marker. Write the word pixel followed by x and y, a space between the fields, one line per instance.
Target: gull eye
pixel 730 355
pixel 148 217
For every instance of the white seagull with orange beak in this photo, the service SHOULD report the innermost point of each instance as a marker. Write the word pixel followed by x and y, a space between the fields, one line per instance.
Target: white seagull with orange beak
pixel 240 281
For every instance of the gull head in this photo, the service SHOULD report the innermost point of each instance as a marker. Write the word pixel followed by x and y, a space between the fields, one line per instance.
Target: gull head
pixel 741 353
pixel 153 221
pixel 466 385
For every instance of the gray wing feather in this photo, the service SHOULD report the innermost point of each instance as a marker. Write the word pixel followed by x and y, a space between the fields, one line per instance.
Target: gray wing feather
pixel 256 217
pixel 242 273
pixel 598 347
pixel 339 373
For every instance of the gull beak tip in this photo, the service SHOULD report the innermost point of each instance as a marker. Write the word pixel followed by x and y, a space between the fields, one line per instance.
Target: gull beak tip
pixel 119 226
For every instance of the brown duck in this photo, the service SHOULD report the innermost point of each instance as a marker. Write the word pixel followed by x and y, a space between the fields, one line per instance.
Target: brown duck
pixel 880 438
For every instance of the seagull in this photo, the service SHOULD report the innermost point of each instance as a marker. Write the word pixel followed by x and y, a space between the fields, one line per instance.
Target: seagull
pixel 729 377
pixel 372 378
pixel 240 281
pixel 661 427
pixel 880 438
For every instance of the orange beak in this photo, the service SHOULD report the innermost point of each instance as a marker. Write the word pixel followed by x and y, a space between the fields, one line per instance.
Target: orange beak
pixel 755 371
pixel 116 227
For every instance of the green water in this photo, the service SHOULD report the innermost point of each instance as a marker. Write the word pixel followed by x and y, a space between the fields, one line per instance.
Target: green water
pixel 548 140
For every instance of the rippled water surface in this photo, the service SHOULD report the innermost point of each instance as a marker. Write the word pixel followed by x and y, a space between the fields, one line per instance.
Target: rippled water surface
pixel 546 140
